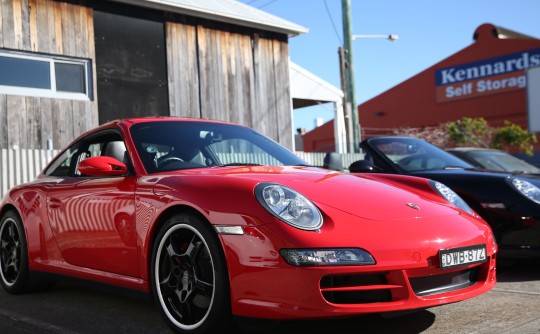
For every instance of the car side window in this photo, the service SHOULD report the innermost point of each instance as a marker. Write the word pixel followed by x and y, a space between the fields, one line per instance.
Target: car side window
pixel 64 164
pixel 106 144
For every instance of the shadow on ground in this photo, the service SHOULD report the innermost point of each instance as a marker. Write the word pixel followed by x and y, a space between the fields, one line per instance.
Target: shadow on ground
pixel 398 323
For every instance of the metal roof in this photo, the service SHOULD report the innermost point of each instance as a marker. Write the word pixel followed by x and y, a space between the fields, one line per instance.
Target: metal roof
pixel 307 89
pixel 228 11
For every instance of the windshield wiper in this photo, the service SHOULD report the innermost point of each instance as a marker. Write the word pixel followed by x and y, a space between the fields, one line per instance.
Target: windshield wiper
pixel 453 167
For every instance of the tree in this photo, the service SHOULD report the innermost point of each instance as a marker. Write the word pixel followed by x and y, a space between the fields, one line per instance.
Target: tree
pixel 469 132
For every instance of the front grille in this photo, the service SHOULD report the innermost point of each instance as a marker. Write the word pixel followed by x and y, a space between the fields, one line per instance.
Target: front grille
pixel 356 289
pixel 435 284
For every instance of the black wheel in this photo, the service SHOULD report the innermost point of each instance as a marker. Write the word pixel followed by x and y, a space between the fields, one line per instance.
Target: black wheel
pixel 13 255
pixel 189 277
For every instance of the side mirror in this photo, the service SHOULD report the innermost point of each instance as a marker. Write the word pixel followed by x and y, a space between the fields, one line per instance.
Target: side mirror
pixel 102 166
pixel 363 166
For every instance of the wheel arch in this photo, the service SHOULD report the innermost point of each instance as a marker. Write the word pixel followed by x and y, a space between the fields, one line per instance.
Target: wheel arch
pixel 160 221
pixel 9 207
pixel 12 208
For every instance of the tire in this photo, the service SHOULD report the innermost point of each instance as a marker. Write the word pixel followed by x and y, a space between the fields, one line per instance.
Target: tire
pixel 15 276
pixel 189 277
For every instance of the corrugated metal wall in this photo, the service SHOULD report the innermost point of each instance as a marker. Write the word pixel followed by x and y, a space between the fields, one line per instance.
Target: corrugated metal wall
pixel 21 166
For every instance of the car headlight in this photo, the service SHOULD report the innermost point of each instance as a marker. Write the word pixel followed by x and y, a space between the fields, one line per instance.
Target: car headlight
pixel 327 257
pixel 526 188
pixel 451 196
pixel 289 206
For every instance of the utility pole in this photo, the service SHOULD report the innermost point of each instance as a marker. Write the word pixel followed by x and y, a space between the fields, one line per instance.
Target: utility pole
pixel 346 106
pixel 347 68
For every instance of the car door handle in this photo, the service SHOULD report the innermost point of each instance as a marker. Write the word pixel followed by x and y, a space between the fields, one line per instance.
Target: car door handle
pixel 54 203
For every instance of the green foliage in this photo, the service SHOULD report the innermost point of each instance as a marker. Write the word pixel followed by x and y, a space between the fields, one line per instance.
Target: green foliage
pixel 476 132
pixel 514 135
pixel 469 132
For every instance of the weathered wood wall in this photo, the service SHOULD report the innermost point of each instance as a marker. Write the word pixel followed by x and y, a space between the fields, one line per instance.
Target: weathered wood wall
pixel 221 72
pixel 48 27
pixel 215 71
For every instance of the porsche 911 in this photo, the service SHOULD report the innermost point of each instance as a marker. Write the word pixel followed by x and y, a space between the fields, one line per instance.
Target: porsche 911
pixel 215 221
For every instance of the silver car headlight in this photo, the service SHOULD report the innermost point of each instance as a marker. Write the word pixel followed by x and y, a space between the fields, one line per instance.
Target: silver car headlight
pixel 289 206
pixel 526 188
pixel 451 196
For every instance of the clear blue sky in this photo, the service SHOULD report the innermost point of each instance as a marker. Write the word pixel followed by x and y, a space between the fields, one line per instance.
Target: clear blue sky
pixel 429 31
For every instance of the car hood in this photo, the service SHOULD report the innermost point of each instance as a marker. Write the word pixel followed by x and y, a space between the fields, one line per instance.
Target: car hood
pixel 355 195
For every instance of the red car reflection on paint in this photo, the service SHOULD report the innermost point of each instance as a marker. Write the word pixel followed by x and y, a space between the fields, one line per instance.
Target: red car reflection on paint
pixel 215 220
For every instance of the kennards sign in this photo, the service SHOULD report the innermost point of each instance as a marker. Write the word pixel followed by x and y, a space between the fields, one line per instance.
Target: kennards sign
pixel 485 77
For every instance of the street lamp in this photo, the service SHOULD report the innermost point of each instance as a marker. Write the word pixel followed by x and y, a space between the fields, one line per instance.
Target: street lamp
pixel 347 85
pixel 390 37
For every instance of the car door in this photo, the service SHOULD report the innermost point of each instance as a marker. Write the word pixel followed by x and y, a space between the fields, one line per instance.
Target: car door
pixel 93 217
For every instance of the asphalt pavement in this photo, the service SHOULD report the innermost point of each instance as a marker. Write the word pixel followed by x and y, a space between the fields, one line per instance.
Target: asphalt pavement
pixel 512 307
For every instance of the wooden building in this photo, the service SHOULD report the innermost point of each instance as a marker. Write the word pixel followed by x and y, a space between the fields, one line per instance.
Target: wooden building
pixel 67 66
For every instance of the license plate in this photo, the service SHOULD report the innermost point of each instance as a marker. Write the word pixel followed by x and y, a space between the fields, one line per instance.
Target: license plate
pixel 462 256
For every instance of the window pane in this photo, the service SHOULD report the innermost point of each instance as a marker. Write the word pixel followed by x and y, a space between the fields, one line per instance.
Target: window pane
pixel 21 72
pixel 69 77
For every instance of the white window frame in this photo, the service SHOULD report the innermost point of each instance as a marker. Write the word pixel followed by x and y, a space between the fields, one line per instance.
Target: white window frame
pixel 52 92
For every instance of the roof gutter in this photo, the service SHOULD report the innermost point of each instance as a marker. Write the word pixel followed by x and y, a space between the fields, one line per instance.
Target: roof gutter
pixel 261 20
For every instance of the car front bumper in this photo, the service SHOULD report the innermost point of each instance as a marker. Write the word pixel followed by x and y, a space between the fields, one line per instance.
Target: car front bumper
pixel 263 285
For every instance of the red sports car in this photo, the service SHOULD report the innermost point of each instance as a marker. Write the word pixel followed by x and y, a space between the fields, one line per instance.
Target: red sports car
pixel 215 220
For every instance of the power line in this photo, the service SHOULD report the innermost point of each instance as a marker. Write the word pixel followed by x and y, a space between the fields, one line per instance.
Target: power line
pixel 340 40
pixel 259 6
pixel 266 4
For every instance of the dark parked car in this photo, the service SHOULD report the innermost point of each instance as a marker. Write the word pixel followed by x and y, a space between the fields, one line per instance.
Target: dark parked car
pixel 493 159
pixel 510 203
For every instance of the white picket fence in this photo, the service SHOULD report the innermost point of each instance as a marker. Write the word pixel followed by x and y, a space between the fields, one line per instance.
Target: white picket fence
pixel 19 166
pixel 317 159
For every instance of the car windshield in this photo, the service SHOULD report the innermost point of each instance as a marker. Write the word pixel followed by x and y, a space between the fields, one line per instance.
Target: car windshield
pixel 174 145
pixel 501 161
pixel 412 154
